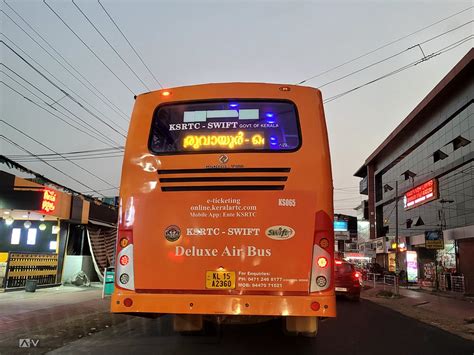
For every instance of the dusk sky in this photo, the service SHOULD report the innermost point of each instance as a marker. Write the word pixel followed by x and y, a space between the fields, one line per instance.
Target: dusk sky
pixel 192 42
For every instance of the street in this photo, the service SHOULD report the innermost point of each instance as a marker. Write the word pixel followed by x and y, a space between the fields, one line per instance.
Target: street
pixel 360 328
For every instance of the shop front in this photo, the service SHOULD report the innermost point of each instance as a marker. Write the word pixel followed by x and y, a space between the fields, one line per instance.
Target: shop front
pixel 34 223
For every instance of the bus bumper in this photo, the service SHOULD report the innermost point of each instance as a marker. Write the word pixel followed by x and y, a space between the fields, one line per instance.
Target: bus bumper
pixel 251 305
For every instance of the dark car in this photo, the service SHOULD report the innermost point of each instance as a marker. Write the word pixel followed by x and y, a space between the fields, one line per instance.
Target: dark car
pixel 347 280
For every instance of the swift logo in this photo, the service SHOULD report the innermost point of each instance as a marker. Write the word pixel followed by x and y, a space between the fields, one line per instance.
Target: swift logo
pixel 223 159
pixel 280 232
pixel 28 343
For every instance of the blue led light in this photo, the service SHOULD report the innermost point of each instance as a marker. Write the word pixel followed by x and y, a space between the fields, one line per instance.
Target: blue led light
pixel 269 114
pixel 273 139
pixel 271 121
pixel 273 143
pixel 234 105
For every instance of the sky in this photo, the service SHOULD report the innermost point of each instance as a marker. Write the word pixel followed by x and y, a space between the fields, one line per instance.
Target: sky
pixel 192 42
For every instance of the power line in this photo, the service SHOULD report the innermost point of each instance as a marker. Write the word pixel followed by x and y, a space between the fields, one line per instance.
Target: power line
pixel 87 46
pixel 392 56
pixel 28 160
pixel 383 46
pixel 61 90
pixel 101 190
pixel 52 166
pixel 51 74
pixel 131 46
pixel 89 151
pixel 83 124
pixel 51 113
pixel 54 58
pixel 110 45
pixel 109 103
pixel 432 55
pixel 52 150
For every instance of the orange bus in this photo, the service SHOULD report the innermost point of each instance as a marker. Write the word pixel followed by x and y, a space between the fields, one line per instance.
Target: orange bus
pixel 226 207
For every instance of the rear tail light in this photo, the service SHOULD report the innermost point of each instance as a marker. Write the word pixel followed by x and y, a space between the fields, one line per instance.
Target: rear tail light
pixel 125 273
pixel 321 274
pixel 124 259
pixel 322 261
pixel 357 275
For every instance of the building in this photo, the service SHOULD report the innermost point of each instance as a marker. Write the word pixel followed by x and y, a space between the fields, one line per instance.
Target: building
pixel 420 183
pixel 49 233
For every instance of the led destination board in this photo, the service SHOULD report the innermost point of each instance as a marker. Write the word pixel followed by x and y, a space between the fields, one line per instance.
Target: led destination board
pixel 421 194
pixel 223 126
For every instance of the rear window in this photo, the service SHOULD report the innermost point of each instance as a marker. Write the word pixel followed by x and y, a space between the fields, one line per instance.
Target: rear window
pixel 249 125
pixel 344 268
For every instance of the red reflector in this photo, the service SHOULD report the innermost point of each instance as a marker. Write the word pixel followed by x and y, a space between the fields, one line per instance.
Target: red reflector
pixel 124 260
pixel 322 261
pixel 127 302
pixel 315 306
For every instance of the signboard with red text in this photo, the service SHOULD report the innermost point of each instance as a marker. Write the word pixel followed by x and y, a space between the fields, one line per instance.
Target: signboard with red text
pixel 421 194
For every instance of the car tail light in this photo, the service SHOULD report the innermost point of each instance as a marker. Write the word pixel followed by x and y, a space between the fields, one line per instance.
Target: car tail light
pixel 124 266
pixel 357 275
pixel 323 253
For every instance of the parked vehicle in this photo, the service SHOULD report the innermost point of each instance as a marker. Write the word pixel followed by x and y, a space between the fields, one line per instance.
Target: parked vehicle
pixel 347 280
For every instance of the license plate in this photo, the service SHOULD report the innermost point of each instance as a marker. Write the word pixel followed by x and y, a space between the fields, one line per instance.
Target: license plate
pixel 341 289
pixel 220 280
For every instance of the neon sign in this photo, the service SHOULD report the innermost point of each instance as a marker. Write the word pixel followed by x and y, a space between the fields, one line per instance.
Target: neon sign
pixel 48 203
pixel 421 194
pixel 223 141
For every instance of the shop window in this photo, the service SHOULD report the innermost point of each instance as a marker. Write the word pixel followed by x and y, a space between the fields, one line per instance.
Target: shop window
pixel 52 245
pixel 31 236
pixel 439 155
pixel 459 142
pixel 408 174
pixel 16 233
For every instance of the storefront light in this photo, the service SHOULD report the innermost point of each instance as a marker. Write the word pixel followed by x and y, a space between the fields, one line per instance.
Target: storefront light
pixel 27 224
pixel 42 227
pixel 9 221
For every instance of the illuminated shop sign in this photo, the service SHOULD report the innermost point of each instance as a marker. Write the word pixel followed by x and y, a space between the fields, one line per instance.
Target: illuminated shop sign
pixel 421 194
pixel 340 226
pixel 48 203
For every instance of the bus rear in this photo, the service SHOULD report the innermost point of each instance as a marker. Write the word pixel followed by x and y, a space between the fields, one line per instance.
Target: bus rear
pixel 226 206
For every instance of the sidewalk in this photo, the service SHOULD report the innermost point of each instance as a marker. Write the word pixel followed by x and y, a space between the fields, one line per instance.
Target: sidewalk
pixel 450 314
pixel 52 315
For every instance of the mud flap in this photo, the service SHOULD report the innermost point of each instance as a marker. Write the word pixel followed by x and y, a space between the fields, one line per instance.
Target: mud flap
pixel 306 326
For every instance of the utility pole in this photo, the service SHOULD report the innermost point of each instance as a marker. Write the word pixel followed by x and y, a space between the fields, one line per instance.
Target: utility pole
pixel 396 234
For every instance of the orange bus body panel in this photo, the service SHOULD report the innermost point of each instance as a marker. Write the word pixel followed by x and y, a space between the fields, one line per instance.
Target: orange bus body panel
pixel 272 276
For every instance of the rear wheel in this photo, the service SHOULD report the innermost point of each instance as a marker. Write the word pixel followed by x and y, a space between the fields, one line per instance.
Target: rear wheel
pixel 305 326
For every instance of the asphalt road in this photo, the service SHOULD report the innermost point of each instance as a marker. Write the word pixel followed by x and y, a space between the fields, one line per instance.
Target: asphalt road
pixel 360 328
